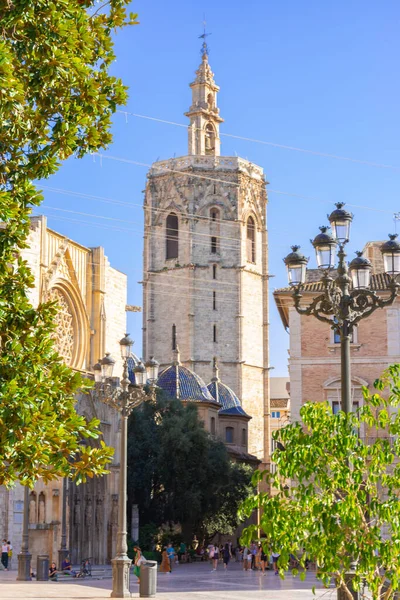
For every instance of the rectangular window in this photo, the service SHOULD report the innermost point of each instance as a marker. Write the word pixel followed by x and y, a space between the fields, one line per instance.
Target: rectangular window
pixel 275 414
pixel 214 300
pixel 214 271
pixel 214 333
pixel 229 435
pixel 214 245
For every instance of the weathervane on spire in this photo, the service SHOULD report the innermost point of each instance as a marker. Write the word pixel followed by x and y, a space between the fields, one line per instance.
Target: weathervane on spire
pixel 204 36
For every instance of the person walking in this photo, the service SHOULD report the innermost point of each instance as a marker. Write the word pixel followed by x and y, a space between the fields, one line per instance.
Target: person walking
pixel 10 553
pixel 165 567
pixel 246 557
pixel 4 554
pixel 215 558
pixel 211 550
pixel 264 560
pixel 226 555
pixel 139 559
pixel 253 550
pixel 275 557
pixel 171 554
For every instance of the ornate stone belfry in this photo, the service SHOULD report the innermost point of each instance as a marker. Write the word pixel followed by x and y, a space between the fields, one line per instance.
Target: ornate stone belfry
pixel 203 113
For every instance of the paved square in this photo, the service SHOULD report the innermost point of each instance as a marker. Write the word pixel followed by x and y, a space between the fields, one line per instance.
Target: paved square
pixel 186 582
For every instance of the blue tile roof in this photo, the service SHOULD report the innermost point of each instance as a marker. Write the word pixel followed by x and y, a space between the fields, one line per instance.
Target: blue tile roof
pixel 234 410
pixel 231 404
pixel 179 382
pixel 133 362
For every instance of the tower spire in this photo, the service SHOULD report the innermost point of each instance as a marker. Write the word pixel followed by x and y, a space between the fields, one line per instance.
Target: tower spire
pixel 203 131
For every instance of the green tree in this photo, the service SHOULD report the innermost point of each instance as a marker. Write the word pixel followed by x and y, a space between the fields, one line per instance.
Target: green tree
pixel 56 100
pixel 342 508
pixel 178 474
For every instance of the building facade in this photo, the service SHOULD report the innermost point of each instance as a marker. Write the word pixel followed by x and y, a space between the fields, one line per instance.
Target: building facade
pixel 205 280
pixel 314 355
pixel 91 296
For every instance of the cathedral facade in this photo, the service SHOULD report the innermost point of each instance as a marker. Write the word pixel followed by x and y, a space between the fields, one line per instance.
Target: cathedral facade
pixel 91 319
pixel 205 280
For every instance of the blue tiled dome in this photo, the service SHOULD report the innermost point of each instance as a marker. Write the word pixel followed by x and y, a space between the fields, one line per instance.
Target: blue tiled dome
pixel 180 382
pixel 223 394
pixel 133 362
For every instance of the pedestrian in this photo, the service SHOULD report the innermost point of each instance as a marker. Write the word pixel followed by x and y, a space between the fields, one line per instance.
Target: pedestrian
pixel 246 558
pixel 139 559
pixel 215 558
pixel 264 560
pixel 4 554
pixel 10 553
pixel 53 572
pixel 211 550
pixel 165 567
pixel 171 554
pixel 258 558
pixel 253 550
pixel 226 555
pixel 275 557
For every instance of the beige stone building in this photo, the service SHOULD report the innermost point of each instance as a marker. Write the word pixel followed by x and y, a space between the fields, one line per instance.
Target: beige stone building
pixel 314 355
pixel 91 320
pixel 205 281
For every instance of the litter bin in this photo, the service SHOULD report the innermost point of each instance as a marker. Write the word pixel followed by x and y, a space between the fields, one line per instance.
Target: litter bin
pixel 42 573
pixel 148 579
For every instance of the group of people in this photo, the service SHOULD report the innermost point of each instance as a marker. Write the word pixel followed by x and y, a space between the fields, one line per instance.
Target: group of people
pixel 256 558
pixel 6 553
pixel 215 553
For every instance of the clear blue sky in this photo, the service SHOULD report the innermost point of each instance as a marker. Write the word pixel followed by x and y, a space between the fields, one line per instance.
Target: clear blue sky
pixel 316 75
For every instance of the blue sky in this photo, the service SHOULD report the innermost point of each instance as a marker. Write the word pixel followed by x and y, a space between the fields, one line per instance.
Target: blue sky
pixel 314 75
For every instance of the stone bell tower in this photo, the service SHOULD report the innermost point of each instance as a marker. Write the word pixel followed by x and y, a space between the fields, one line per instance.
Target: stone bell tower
pixel 205 281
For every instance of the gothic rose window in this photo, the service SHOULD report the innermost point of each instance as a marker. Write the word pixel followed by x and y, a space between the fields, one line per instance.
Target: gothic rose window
pixel 64 337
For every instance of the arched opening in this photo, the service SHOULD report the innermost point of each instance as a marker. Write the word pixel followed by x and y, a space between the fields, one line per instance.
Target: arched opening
pixel 214 271
pixel 209 139
pixel 251 240
pixel 210 101
pixel 214 333
pixel 244 437
pixel 229 435
pixel 172 236
pixel 212 426
pixel 214 214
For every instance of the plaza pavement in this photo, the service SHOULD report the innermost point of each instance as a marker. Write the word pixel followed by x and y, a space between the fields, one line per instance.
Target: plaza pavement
pixel 186 582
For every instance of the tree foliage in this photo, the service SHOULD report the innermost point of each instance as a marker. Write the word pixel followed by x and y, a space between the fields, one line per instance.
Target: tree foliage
pixel 342 508
pixel 178 474
pixel 56 100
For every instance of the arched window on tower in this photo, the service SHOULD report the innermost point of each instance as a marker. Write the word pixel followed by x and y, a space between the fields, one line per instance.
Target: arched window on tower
pixel 172 236
pixel 212 426
pixel 209 141
pixel 214 215
pixel 229 438
pixel 251 240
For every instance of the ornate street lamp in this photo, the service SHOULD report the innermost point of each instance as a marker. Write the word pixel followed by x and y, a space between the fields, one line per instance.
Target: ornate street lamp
pixel 391 256
pixel 344 301
pixel 325 247
pixel 296 265
pixel 124 397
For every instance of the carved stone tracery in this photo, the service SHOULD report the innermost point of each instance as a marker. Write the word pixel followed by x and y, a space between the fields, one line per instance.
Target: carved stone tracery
pixel 64 335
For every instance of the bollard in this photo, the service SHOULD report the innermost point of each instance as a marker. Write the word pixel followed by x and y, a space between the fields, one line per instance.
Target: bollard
pixel 42 567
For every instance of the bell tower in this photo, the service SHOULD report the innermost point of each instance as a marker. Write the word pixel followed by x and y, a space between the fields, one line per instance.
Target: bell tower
pixel 203 132
pixel 205 277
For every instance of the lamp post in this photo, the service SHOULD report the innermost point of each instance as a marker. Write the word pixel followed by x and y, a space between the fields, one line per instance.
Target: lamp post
pixel 124 398
pixel 24 557
pixel 63 551
pixel 346 298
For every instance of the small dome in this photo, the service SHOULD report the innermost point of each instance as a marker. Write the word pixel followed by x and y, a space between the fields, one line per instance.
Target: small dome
pixel 179 382
pixel 223 394
pixel 133 362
